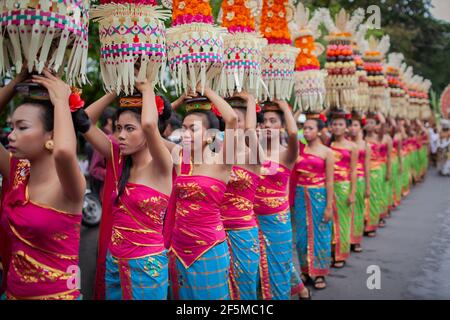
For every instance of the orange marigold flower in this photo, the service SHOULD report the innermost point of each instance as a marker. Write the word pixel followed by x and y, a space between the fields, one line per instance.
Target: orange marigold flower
pixel 273 22
pixel 191 7
pixel 236 14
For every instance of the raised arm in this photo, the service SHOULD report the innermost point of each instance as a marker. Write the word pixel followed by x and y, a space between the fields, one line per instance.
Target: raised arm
pixel 149 119
pixel 95 110
pixel 229 117
pixel 65 142
pixel 353 174
pixel 8 91
pixel 6 94
pixel 367 169
pixel 250 128
pixel 329 161
pixel 389 159
pixel 179 102
pixel 292 131
pixel 399 152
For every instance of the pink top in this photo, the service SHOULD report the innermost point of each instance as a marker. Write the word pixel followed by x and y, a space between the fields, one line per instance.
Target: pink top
pixel 384 152
pixel 395 147
pixel 44 243
pixel 361 163
pixel 310 169
pixel 342 161
pixel 237 206
pixel 405 147
pixel 377 157
pixel 194 225
pixel 137 217
pixel 272 192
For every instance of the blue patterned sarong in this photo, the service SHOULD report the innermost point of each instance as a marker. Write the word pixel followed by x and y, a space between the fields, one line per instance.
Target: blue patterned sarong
pixel 245 257
pixel 206 279
pixel 137 279
pixel 313 236
pixel 277 234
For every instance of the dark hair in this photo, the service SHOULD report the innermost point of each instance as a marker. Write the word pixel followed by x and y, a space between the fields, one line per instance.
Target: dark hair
pixel 47 111
pixel 109 113
pixel 164 118
pixel 347 121
pixel 175 121
pixel 162 124
pixel 320 124
pixel 259 117
pixel 212 119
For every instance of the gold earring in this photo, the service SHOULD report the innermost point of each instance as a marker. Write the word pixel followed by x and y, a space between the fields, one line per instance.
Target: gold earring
pixel 209 140
pixel 49 145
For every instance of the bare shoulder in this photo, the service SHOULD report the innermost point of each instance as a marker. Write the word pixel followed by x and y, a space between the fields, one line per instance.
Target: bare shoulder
pixel 350 145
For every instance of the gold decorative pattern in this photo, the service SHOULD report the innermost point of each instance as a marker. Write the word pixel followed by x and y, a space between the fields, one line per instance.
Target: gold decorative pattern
pixel 116 237
pixel 240 179
pixel 191 190
pixel 60 236
pixel 263 189
pixel 273 202
pixel 30 270
pixel 21 174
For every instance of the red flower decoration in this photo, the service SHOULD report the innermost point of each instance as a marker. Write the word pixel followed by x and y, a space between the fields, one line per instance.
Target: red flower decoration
pixel 323 117
pixel 363 121
pixel 75 102
pixel 348 116
pixel 216 111
pixel 258 108
pixel 159 104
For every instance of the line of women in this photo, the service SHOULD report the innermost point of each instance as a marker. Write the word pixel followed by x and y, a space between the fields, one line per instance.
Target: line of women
pixel 208 219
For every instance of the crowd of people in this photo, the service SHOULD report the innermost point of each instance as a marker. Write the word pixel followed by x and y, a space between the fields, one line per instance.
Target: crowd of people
pixel 208 229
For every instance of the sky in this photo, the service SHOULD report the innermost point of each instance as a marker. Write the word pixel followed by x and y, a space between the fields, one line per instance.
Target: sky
pixel 441 9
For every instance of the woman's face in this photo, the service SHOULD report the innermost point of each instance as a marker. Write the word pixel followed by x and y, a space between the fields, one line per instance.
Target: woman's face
pixel 355 128
pixel 310 130
pixel 28 137
pixel 272 123
pixel 371 125
pixel 338 127
pixel 194 132
pixel 130 134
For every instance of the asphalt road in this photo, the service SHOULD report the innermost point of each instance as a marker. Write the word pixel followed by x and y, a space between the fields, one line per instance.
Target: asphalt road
pixel 412 252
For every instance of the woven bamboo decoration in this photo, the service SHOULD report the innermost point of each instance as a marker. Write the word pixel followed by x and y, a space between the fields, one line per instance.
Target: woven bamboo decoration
pixel 309 79
pixel 359 46
pixel 342 80
pixel 242 49
pixel 195 46
pixel 396 87
pixel 279 55
pixel 45 33
pixel 374 65
pixel 133 46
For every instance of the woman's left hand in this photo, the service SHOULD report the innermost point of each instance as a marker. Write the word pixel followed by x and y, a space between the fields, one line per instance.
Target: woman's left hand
pixel 144 86
pixel 284 106
pixel 351 199
pixel 58 90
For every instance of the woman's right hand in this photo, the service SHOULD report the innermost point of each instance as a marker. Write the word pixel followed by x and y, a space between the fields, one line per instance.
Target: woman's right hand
pixel 58 90
pixel 328 215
